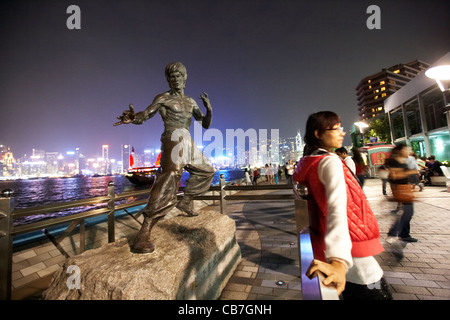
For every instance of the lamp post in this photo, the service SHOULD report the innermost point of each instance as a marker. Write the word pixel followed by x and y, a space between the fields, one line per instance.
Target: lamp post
pixel 361 125
pixel 441 74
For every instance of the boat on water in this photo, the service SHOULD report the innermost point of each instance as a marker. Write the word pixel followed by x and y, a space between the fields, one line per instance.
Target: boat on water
pixel 142 176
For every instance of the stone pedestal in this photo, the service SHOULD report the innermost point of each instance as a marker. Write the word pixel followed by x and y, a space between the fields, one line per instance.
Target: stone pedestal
pixel 194 258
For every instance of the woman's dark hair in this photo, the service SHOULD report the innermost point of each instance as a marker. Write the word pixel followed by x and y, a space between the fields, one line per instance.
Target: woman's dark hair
pixel 397 149
pixel 320 121
pixel 357 156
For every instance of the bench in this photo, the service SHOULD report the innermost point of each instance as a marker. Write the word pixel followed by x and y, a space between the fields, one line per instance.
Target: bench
pixel 441 180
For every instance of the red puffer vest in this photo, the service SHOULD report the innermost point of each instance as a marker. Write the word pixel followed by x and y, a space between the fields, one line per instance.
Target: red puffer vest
pixel 363 226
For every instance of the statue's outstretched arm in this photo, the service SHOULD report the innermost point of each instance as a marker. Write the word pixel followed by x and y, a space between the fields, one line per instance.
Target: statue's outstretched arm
pixel 129 116
pixel 198 115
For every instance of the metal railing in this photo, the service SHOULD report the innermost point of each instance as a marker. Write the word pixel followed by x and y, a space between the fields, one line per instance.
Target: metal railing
pixel 312 289
pixel 8 214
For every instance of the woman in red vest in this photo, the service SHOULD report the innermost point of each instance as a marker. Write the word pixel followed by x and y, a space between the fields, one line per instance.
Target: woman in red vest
pixel 344 231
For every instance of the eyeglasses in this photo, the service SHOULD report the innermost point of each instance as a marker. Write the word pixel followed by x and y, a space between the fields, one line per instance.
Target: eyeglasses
pixel 338 128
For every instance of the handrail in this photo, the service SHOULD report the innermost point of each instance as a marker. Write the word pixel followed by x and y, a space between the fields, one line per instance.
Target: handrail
pixel 312 289
pixel 23 212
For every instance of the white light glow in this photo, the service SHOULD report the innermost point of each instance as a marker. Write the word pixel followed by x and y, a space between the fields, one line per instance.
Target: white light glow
pixel 439 72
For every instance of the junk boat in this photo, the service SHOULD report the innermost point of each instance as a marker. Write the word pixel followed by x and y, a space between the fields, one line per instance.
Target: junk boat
pixel 142 176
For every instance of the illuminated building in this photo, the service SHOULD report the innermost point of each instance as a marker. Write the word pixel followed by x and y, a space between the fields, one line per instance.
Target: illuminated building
pixel 299 145
pixel 105 156
pixel 125 151
pixel 7 161
pixel 417 116
pixel 53 163
pixel 373 90
pixel 289 148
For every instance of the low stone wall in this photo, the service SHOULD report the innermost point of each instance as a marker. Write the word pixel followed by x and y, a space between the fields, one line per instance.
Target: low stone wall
pixel 194 258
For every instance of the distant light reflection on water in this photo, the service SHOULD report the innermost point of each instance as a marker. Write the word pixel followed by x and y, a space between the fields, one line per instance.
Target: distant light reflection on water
pixel 39 192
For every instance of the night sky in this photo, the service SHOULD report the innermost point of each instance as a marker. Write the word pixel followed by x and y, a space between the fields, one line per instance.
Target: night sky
pixel 264 64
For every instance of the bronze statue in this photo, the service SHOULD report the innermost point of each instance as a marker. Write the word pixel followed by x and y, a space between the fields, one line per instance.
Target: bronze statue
pixel 178 151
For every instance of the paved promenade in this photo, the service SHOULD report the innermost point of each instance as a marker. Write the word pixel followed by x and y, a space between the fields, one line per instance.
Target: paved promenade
pixel 269 268
pixel 415 271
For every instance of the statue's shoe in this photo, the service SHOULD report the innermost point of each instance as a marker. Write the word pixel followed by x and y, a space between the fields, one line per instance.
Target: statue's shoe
pixel 188 211
pixel 143 247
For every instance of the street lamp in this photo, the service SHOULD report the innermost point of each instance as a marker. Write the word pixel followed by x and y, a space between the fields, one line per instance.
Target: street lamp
pixel 361 125
pixel 441 74
pixel 355 135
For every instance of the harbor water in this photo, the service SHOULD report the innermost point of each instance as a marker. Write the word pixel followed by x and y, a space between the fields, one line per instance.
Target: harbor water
pixel 37 192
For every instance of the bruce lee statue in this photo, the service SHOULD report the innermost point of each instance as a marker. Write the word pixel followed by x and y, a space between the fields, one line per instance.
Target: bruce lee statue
pixel 178 152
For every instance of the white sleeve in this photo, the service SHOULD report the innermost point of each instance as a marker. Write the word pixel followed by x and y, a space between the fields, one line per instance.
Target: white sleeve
pixel 337 239
pixel 350 164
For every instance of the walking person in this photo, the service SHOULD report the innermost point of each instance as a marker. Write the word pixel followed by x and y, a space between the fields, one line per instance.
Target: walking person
pixel 275 172
pixel 342 152
pixel 289 171
pixel 343 251
pixel 360 166
pixel 383 174
pixel 403 192
pixel 248 181
pixel 255 176
pixel 414 179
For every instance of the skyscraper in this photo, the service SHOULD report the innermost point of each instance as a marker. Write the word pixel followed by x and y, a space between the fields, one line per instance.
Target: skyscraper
pixel 374 89
pixel 105 155
pixel 299 144
pixel 125 151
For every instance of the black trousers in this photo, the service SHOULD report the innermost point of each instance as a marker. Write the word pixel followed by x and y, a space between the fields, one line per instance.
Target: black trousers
pixel 375 291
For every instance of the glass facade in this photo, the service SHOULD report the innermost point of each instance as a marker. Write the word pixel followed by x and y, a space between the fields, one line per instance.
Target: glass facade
pixel 413 116
pixel 433 102
pixel 427 132
pixel 440 146
pixel 397 119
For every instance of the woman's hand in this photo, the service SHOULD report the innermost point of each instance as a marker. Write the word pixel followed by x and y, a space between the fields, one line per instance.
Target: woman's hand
pixel 334 272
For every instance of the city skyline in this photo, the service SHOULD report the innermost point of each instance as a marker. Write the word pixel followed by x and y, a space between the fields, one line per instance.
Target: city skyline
pixel 264 64
pixel 250 150
pixel 117 149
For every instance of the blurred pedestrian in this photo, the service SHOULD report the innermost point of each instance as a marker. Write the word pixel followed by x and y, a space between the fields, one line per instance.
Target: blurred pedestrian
pixel 275 172
pixel 248 181
pixel 289 171
pixel 414 179
pixel 402 190
pixel 360 166
pixel 344 231
pixel 269 173
pixel 255 176
pixel 383 174
pixel 342 152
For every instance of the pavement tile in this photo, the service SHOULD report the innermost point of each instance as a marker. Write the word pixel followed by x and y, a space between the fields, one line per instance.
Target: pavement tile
pixel 413 270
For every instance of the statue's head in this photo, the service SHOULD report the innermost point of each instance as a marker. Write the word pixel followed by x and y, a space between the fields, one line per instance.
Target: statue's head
pixel 176 67
pixel 176 75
